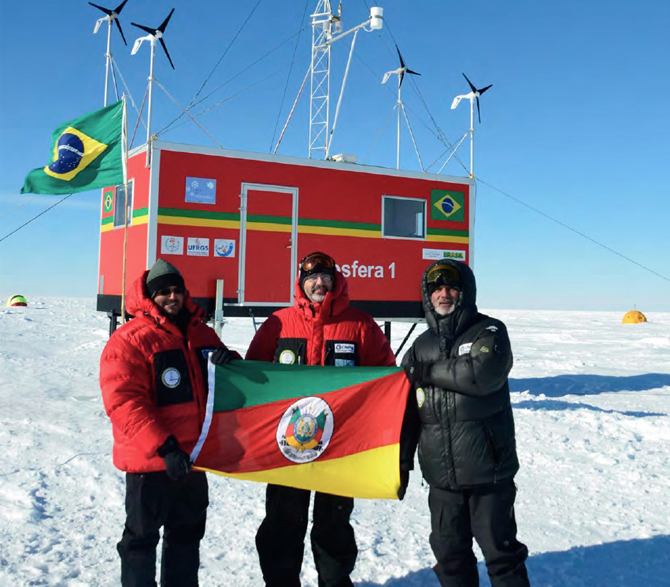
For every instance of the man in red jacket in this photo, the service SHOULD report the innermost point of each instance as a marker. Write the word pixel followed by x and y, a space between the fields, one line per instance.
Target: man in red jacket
pixel 153 377
pixel 321 328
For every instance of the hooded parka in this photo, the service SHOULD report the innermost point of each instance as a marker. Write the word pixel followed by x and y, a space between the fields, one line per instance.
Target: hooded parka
pixel 466 435
pixel 153 380
pixel 326 333
pixel 329 333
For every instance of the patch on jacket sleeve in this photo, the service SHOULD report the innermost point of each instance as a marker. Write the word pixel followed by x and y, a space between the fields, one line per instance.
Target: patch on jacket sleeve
pixel 173 384
pixel 420 396
pixel 464 349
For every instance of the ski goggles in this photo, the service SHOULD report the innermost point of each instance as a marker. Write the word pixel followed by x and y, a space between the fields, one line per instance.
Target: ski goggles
pixel 443 275
pixel 168 291
pixel 317 263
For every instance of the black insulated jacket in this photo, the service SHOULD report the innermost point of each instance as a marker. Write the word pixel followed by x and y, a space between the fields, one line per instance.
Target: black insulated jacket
pixel 463 421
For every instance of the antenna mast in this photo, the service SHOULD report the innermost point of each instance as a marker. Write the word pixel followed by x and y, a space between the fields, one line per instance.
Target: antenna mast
pixel 326 29
pixel 324 24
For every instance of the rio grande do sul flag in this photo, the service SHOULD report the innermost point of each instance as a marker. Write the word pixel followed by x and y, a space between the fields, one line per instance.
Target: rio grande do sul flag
pixel 329 429
pixel 86 154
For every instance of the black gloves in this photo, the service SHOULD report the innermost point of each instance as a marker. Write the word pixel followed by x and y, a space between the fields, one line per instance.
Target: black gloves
pixel 405 468
pixel 417 372
pixel 404 481
pixel 177 462
pixel 222 355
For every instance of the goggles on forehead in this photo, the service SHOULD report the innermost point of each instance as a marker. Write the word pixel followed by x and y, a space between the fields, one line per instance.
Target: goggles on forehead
pixel 443 275
pixel 317 263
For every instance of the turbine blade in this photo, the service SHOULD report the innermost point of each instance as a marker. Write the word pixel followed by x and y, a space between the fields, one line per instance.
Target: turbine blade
pixel 118 24
pixel 484 89
pixel 413 72
pixel 107 11
pixel 145 28
pixel 470 83
pixel 164 23
pixel 402 63
pixel 119 8
pixel 166 51
pixel 401 76
pixel 479 114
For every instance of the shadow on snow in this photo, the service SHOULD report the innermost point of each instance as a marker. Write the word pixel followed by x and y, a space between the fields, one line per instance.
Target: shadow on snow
pixel 625 563
pixel 555 405
pixel 562 385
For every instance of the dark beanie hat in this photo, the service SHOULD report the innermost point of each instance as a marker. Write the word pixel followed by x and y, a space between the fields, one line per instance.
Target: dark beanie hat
pixel 163 275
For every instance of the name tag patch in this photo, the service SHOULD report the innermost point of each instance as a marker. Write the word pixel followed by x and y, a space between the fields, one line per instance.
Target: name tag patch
pixel 345 347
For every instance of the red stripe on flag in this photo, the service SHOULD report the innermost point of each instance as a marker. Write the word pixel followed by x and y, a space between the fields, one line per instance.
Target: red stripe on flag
pixel 365 416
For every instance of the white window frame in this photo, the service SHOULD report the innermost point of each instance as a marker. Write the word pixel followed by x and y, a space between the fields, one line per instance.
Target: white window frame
pixel 424 213
pixel 131 187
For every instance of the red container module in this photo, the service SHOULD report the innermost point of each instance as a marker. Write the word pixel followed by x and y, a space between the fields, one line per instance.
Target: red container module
pixel 248 219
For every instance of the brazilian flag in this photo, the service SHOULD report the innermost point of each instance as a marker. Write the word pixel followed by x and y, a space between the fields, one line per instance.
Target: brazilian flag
pixel 86 154
pixel 447 205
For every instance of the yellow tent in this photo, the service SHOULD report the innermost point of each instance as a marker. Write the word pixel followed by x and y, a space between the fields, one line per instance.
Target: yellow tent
pixel 634 317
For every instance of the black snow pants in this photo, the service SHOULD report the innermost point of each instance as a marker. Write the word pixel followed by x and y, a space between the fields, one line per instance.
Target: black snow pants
pixel 487 514
pixel 280 539
pixel 180 507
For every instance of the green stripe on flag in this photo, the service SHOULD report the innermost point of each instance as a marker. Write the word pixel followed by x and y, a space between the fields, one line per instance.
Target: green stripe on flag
pixel 250 383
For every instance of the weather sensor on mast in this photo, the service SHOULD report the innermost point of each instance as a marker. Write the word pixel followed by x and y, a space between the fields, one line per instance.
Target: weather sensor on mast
pixel 112 16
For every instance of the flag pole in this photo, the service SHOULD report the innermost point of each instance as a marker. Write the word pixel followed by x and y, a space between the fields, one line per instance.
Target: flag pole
pixel 124 164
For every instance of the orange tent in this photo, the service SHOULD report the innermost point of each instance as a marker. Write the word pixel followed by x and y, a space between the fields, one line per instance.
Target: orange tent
pixel 634 317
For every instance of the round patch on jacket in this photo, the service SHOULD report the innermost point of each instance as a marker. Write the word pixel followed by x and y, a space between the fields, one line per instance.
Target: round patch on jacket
pixel 171 377
pixel 305 430
pixel 287 357
pixel 420 396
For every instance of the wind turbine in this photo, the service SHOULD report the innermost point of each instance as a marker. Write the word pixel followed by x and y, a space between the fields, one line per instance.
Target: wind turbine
pixel 153 36
pixel 400 72
pixel 112 16
pixel 473 96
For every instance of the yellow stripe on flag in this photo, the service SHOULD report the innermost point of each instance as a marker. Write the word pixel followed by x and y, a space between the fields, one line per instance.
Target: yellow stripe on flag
pixel 363 474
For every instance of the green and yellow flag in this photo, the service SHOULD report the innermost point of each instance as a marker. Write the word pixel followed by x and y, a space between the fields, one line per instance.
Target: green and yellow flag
pixel 86 154
pixel 329 429
pixel 447 205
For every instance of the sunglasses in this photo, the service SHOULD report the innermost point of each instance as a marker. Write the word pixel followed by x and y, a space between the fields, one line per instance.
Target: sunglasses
pixel 167 291
pixel 444 275
pixel 316 263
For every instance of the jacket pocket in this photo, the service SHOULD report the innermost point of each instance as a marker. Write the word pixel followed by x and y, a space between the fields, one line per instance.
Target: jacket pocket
pixel 490 439
pixel 173 383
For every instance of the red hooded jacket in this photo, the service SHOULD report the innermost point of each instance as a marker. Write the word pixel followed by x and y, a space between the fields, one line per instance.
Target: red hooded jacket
pixel 329 333
pixel 153 381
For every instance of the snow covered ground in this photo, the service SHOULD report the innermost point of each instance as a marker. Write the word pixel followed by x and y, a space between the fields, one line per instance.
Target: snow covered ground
pixel 591 399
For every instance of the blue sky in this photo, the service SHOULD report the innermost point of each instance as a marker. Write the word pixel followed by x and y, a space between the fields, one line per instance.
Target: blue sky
pixel 575 126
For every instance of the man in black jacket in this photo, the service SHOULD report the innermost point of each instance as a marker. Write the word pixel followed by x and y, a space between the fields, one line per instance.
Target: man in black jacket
pixel 467 449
